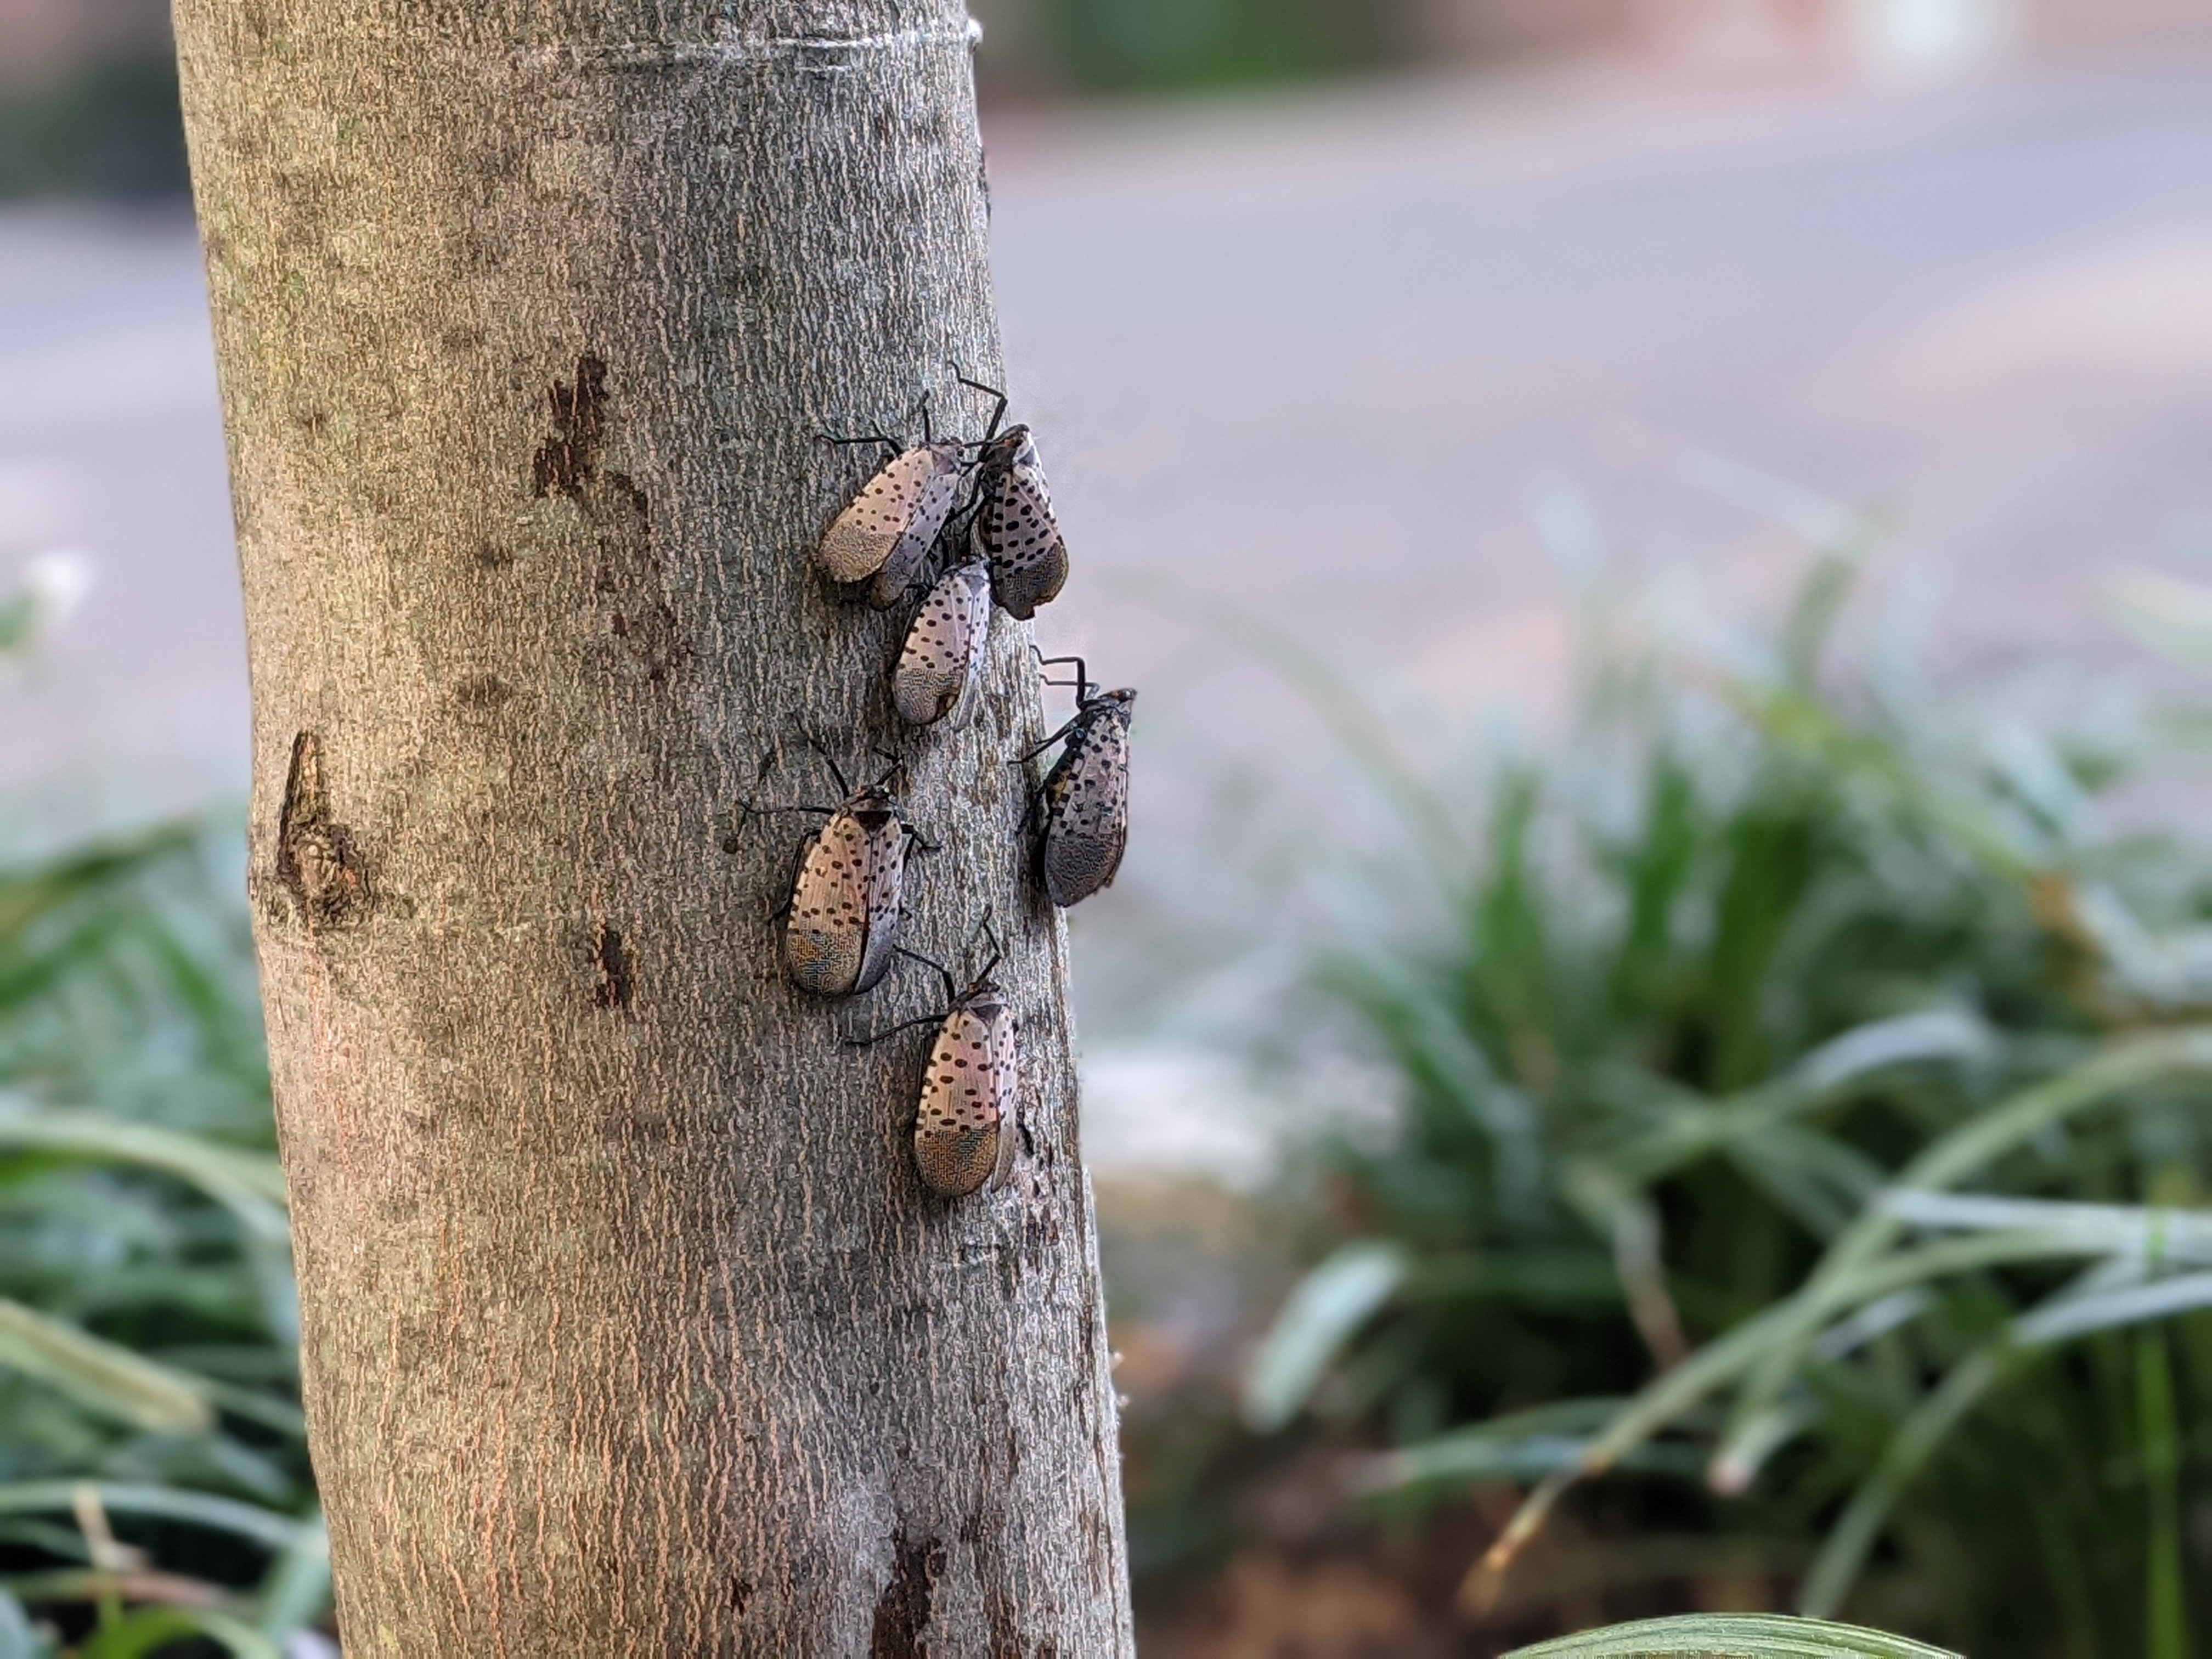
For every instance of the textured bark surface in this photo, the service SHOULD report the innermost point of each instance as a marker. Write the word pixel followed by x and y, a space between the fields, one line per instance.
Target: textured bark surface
pixel 629 1328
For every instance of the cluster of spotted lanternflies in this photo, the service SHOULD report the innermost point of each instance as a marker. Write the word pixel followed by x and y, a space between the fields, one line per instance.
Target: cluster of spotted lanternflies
pixel 970 525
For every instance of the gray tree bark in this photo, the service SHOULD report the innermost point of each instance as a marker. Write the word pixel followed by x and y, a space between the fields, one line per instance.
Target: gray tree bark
pixel 628 1327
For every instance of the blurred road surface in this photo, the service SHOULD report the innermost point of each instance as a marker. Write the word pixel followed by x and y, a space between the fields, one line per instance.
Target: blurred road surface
pixel 1316 351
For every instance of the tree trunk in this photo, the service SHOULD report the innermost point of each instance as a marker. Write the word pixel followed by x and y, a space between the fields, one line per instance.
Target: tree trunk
pixel 629 1328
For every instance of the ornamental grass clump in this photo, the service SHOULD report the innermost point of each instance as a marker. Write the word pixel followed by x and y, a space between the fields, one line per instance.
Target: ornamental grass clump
pixel 1807 1117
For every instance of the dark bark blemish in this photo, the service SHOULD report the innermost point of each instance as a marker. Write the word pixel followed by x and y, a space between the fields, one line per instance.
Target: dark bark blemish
pixel 490 555
pixel 566 461
pixel 640 505
pixel 619 514
pixel 1097 1549
pixel 316 859
pixel 1006 1624
pixel 617 965
pixel 903 1610
pixel 482 694
pixel 741 1592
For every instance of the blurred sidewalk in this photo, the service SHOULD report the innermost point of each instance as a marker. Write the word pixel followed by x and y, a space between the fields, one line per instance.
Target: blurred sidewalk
pixel 1316 351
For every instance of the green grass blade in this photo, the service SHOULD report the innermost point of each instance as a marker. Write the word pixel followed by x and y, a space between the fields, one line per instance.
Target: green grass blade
pixel 2066 1316
pixel 297 1590
pixel 2166 1609
pixel 267 1528
pixel 250 1184
pixel 156 1628
pixel 1750 1344
pixel 1843 1551
pixel 2124 1229
pixel 98 1374
pixel 1326 1308
pixel 1962 1152
pixel 17 1639
pixel 1693 1129
pixel 1737 1636
pixel 2169 614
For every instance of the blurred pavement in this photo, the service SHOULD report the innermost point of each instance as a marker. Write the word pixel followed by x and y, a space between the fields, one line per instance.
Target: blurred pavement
pixel 1314 350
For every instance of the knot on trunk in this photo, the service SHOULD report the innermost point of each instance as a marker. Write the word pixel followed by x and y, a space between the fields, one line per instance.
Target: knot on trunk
pixel 316 859
pixel 903 1610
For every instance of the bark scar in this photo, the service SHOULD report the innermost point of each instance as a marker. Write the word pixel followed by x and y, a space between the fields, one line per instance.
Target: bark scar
pixel 566 461
pixel 903 1610
pixel 617 964
pixel 316 859
pixel 619 512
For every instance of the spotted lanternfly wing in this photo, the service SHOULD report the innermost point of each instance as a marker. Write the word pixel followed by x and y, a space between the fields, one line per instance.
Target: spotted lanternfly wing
pixel 1086 802
pixel 839 936
pixel 944 655
pixel 888 531
pixel 1016 526
pixel 964 1131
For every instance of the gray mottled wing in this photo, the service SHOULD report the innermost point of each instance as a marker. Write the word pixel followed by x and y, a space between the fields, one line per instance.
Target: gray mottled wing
pixel 882 516
pixel 1007 1075
pixel 956 1130
pixel 884 887
pixel 937 670
pixel 909 555
pixel 1022 540
pixel 1086 815
pixel 825 936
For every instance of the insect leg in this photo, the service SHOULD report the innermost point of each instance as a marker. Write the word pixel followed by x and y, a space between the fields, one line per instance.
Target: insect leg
pixel 864 438
pixel 829 760
pixel 922 841
pixel 1083 681
pixel 998 414
pixel 951 990
pixel 997 953
pixel 1048 743
pixel 870 1041
pixel 753 811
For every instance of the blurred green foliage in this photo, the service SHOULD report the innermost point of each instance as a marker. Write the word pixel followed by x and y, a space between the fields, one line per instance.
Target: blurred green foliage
pixel 153 1482
pixel 1171 45
pixel 112 128
pixel 1803 1090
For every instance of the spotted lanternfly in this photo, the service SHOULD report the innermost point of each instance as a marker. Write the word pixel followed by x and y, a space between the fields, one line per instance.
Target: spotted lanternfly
pixel 944 655
pixel 967 1119
pixel 1084 803
pixel 841 927
pixel 888 531
pixel 1014 521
